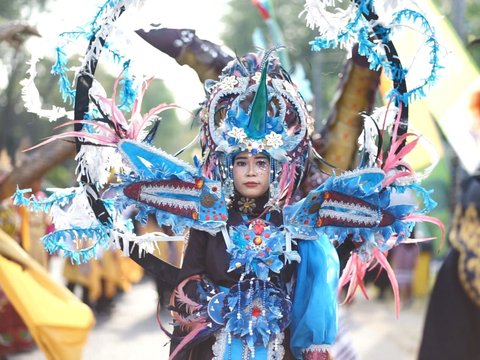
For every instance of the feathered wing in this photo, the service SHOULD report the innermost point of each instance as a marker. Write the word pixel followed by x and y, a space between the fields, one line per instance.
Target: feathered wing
pixel 154 163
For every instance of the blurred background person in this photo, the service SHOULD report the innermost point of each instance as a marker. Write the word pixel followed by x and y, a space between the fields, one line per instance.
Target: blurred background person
pixel 452 323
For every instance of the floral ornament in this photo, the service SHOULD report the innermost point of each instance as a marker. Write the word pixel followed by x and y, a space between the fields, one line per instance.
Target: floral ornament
pixel 257 248
pixel 228 82
pixel 237 133
pixel 256 311
pixel 274 140
pixel 246 205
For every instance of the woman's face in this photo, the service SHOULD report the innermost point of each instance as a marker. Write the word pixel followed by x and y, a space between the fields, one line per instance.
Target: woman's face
pixel 251 174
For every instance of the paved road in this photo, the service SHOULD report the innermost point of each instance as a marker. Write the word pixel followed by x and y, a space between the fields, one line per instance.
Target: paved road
pixel 377 334
pixel 132 332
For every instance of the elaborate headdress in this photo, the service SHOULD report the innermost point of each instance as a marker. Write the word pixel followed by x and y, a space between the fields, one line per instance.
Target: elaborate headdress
pixel 255 107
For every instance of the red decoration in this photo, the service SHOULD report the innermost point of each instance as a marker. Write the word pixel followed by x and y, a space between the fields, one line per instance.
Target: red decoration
pixel 258 227
pixel 256 312
pixel 199 183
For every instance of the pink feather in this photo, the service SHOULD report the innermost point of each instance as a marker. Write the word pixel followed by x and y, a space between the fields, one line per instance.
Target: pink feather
pixel 344 278
pixel 353 275
pixel 287 181
pixel 208 168
pixel 101 140
pixel 187 339
pixel 430 219
pixel 115 111
pixel 117 117
pixel 355 271
pixel 391 179
pixel 397 121
pixel 139 123
pixel 88 122
pixel 382 260
pixel 282 182
pixel 417 240
pixel 393 158
pixel 362 270
pixel 185 323
pixel 183 299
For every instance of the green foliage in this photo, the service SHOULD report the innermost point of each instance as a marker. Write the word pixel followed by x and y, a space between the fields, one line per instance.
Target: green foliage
pixel 321 68
pixel 441 181
pixel 20 9
pixel 62 175
pixel 13 118
pixel 243 19
pixel 171 135
pixel 241 16
pixel 18 124
pixel 471 23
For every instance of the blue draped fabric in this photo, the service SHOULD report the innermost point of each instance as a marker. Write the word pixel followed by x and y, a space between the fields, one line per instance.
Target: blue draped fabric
pixel 236 350
pixel 314 311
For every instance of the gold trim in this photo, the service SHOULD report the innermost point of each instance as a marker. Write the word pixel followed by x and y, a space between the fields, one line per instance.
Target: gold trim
pixel 465 237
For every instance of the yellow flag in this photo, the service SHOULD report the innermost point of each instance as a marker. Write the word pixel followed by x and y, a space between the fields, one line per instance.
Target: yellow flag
pixel 58 322
pixel 448 99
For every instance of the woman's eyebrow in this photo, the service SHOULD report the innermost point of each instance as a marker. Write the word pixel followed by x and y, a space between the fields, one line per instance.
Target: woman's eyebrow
pixel 257 157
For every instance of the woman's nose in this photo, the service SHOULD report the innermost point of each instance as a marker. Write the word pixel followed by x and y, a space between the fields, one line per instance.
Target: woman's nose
pixel 250 168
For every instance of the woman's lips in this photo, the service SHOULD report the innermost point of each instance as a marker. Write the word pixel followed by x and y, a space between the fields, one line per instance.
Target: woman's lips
pixel 250 184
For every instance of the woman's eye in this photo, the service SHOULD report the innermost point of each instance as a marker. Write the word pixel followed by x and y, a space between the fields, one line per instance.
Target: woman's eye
pixel 262 163
pixel 240 163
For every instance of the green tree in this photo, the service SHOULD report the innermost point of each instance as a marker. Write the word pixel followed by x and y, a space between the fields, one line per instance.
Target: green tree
pixel 322 68
pixel 468 22
pixel 20 9
pixel 13 57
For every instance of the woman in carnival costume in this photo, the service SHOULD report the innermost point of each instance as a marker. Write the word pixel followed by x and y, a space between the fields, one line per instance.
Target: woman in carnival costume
pixel 255 130
pixel 260 276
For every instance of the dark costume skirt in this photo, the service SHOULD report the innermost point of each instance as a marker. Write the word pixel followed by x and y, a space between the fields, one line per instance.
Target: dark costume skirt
pixel 452 325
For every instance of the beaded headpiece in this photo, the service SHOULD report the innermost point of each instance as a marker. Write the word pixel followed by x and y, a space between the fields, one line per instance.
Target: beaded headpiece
pixel 255 107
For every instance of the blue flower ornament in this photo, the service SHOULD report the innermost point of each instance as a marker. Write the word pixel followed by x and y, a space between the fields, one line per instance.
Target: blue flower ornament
pixel 257 247
pixel 256 311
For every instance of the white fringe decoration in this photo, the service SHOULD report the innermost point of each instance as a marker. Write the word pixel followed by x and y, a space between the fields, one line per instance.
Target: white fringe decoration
pixel 31 96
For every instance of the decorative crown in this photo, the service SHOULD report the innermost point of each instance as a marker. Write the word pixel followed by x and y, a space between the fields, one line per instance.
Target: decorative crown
pixel 254 106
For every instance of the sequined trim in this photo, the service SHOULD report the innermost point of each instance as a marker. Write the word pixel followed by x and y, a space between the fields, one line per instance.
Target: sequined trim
pixel 276 351
pixel 220 345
